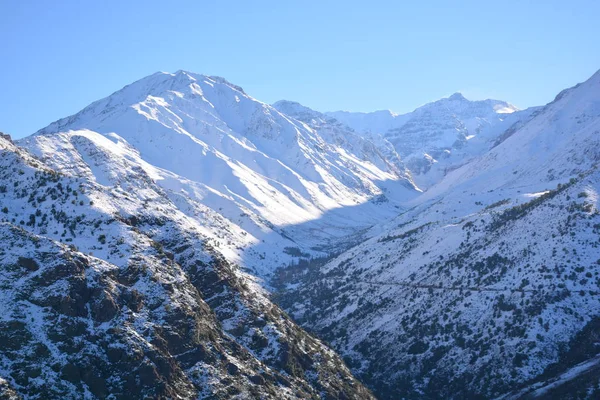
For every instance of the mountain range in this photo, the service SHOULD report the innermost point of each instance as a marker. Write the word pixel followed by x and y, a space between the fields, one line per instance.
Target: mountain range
pixel 182 239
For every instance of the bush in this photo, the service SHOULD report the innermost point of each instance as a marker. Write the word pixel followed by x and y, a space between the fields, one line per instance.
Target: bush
pixel 418 347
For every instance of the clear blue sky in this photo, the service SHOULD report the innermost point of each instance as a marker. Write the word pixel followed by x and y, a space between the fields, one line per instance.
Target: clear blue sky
pixel 57 57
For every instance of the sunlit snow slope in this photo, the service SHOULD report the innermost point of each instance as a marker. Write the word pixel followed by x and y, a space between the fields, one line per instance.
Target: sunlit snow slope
pixel 278 182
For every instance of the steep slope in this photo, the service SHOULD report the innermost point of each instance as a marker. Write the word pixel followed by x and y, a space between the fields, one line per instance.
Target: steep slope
pixel 112 289
pixel 489 283
pixel 220 151
pixel 439 136
pixel 375 148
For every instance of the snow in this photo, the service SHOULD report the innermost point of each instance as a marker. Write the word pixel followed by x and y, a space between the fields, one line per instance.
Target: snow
pixel 568 376
pixel 542 388
pixel 439 136
pixel 419 200
pixel 214 147
pixel 535 195
pixel 528 201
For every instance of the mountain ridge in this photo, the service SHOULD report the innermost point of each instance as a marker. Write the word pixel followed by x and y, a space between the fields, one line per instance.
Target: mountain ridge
pixel 488 281
pixel 159 225
pixel 259 168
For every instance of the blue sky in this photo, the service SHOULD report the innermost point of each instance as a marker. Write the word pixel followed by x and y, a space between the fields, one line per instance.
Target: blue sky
pixel 57 57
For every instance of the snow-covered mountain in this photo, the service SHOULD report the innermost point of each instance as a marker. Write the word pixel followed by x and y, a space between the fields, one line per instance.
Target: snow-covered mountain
pixel 489 285
pixel 247 172
pixel 451 252
pixel 109 288
pixel 439 136
pixel 375 148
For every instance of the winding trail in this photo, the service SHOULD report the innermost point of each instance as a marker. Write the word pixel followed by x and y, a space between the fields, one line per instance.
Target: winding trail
pixel 455 288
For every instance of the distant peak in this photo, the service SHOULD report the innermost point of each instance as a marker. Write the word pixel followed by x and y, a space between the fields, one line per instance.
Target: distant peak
pixel 296 110
pixel 387 113
pixel 220 79
pixel 457 96
pixel 188 77
pixel 292 107
pixel 286 103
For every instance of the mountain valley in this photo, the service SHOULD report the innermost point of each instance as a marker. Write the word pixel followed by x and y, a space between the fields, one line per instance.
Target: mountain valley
pixel 182 239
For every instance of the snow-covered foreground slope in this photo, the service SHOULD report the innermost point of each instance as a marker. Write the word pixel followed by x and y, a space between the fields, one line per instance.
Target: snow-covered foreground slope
pixel 489 283
pixel 439 136
pixel 245 171
pixel 113 289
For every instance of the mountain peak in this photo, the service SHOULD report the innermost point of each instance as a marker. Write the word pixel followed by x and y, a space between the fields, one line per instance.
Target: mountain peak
pixel 457 96
pixel 292 107
pixel 287 103
pixel 154 88
pixel 297 110
pixel 160 82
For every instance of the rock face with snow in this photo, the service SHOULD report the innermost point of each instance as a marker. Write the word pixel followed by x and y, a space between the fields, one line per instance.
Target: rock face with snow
pixel 369 148
pixel 490 285
pixel 439 136
pixel 113 289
